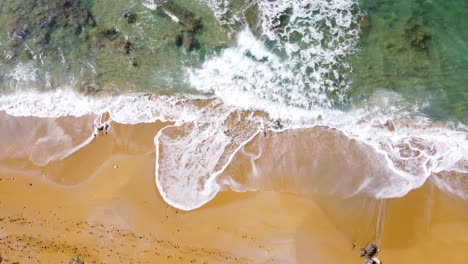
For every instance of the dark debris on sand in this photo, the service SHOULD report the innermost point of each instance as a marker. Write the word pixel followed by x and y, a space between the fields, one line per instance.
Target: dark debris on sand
pixel 76 260
pixel 369 253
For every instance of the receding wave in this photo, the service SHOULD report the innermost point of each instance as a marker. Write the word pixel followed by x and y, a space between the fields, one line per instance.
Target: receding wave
pixel 207 135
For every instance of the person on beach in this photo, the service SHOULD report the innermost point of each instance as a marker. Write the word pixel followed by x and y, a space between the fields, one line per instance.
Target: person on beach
pixel 369 254
pixel 101 127
pixel 277 124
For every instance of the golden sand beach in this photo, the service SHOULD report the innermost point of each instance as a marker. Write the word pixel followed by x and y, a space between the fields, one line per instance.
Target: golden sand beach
pixel 101 204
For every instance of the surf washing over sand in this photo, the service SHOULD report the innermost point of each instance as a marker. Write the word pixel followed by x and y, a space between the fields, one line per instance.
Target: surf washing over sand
pixel 292 75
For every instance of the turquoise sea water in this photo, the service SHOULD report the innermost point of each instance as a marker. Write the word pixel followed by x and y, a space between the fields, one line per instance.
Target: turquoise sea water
pixel 413 49
pixel 434 77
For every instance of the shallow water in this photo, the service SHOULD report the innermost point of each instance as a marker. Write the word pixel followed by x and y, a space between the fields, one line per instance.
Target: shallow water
pixel 430 75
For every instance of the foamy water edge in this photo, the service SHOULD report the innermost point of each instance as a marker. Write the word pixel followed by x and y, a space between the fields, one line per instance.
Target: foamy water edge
pixel 426 148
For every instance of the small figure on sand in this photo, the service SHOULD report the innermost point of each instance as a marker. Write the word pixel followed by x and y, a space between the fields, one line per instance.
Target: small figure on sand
pixel 369 254
pixel 277 124
pixel 100 126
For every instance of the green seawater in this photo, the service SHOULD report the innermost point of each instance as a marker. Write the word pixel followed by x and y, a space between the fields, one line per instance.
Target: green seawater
pixel 415 49
pixel 93 57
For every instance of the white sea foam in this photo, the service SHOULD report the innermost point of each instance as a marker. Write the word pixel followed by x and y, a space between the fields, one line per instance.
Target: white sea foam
pixel 26 75
pixel 190 157
pixel 305 64
pixel 193 152
pixel 301 67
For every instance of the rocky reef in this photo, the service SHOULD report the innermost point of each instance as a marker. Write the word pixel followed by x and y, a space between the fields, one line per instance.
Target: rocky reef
pixel 417 36
pixel 97 47
pixel 46 22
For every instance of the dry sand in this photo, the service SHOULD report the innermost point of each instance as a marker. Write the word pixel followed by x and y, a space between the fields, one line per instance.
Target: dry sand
pixel 102 205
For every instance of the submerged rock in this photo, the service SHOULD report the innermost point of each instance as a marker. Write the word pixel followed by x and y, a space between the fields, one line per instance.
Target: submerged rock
pixel 20 32
pixel 130 16
pixel 417 36
pixel 90 88
pixel 179 40
pixel 280 21
pixel 46 27
pixel 191 43
pixel 134 62
pixel 110 33
pixel 126 46
pixel 182 15
pixel 66 14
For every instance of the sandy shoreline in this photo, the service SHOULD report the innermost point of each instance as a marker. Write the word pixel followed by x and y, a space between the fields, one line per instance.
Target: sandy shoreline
pixel 101 204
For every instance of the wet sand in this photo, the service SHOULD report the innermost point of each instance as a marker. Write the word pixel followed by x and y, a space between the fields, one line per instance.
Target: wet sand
pixel 101 204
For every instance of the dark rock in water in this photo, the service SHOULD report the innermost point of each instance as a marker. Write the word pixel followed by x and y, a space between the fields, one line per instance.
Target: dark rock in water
pixel 90 88
pixel 185 16
pixel 110 33
pixel 179 40
pixel 126 46
pixel 282 20
pixel 76 260
pixel 134 63
pixel 67 14
pixel 196 25
pixel 421 40
pixel 191 43
pixel 417 36
pixel 20 32
pixel 130 16
pixel 39 20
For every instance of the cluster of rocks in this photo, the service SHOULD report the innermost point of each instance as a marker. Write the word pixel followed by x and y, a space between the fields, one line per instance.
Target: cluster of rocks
pixel 37 22
pixel 67 17
pixel 414 33
pixel 417 36
pixel 187 40
pixel 192 25
pixel 130 16
pixel 46 17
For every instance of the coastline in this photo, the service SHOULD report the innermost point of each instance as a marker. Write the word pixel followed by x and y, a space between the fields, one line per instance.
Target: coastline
pixel 101 203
